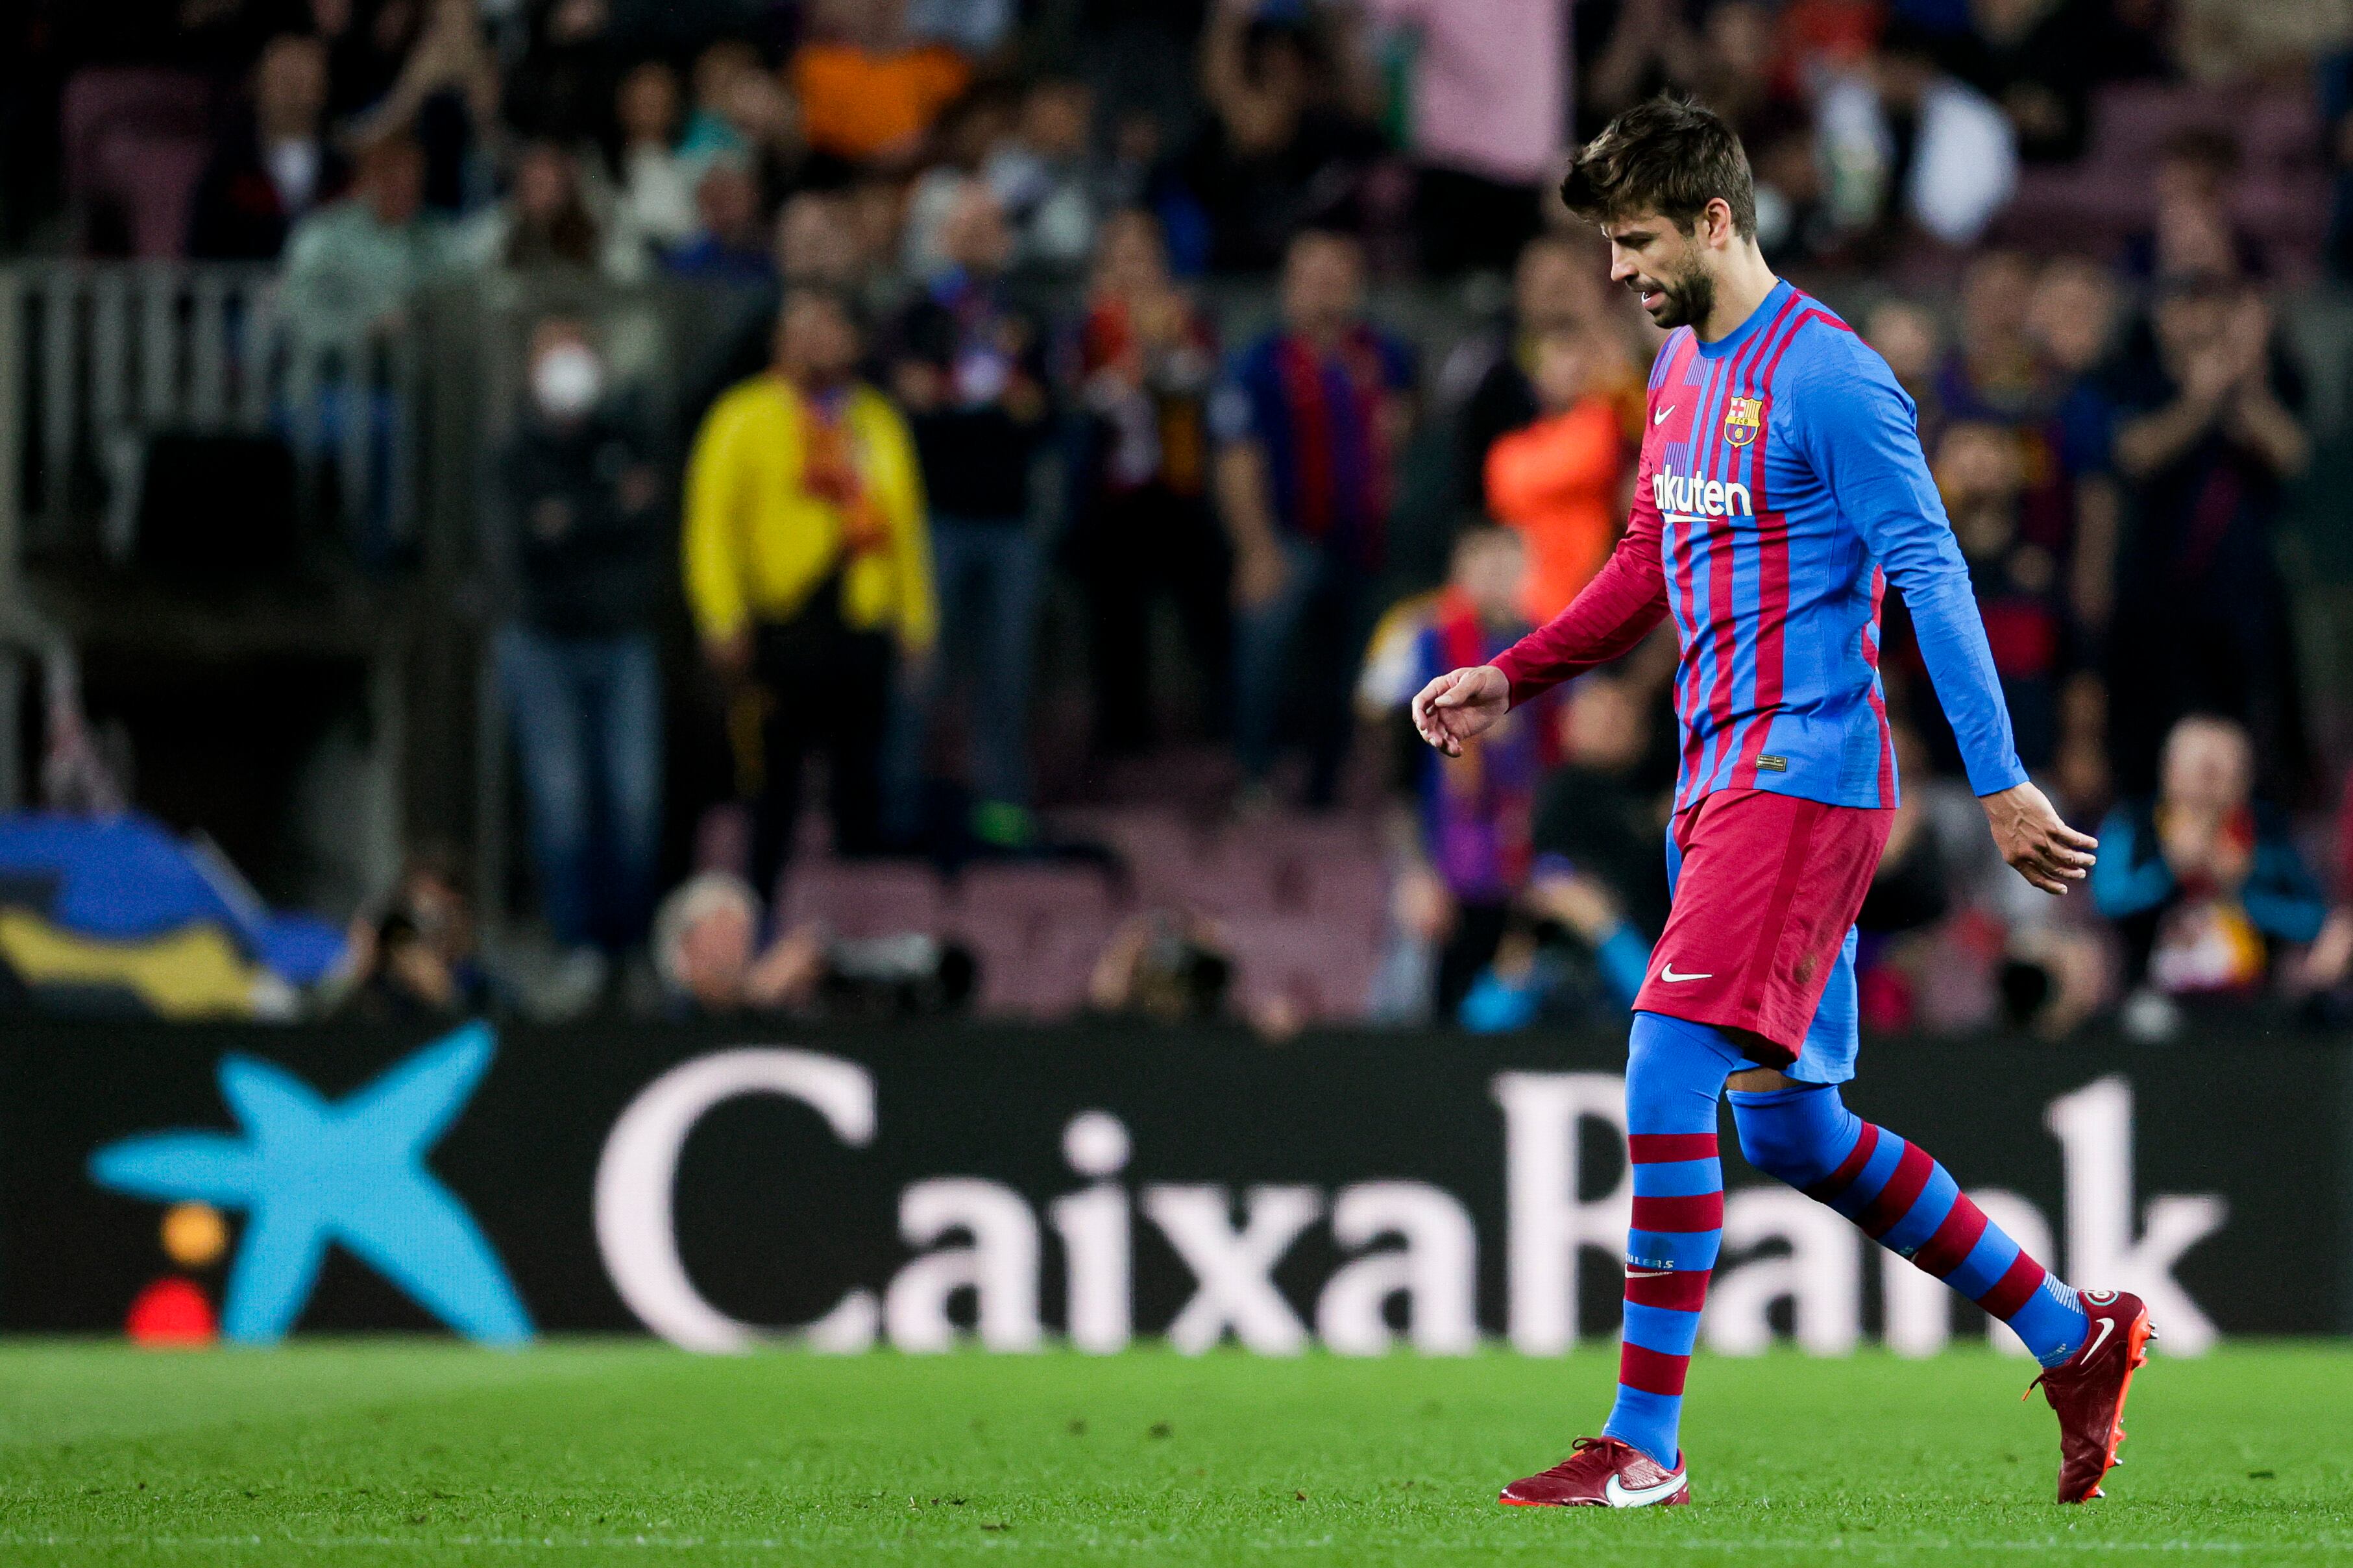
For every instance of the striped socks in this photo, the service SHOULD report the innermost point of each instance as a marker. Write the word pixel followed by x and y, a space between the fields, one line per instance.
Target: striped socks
pixel 1900 1198
pixel 1907 1202
pixel 1670 1255
pixel 1675 1071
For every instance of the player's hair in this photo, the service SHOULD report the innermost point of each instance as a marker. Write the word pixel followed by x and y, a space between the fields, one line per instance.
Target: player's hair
pixel 1670 156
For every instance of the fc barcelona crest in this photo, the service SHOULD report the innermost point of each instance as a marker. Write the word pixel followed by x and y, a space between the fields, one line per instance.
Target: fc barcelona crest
pixel 1742 420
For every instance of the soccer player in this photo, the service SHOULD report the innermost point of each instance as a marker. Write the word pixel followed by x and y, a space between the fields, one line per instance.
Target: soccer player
pixel 1780 485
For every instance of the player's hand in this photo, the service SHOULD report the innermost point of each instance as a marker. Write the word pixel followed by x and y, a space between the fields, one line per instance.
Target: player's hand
pixel 1460 704
pixel 2037 844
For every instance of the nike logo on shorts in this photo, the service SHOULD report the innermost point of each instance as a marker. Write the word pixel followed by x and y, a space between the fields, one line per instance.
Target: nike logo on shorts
pixel 1671 978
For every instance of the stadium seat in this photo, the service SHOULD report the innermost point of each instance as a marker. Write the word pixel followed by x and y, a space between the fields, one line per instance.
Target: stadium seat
pixel 864 898
pixel 1232 878
pixel 2106 195
pixel 1036 898
pixel 1158 851
pixel 1026 971
pixel 1049 980
pixel 1350 892
pixel 1329 972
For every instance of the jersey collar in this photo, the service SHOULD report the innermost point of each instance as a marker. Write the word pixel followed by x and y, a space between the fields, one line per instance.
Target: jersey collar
pixel 1765 311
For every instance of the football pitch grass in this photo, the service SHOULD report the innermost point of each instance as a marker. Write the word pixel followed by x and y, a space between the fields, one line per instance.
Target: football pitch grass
pixel 349 1453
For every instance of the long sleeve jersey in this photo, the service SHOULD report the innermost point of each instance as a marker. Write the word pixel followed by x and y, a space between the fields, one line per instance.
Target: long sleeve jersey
pixel 1780 488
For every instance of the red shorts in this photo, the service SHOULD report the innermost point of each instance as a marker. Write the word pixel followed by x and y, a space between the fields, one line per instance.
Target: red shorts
pixel 1765 887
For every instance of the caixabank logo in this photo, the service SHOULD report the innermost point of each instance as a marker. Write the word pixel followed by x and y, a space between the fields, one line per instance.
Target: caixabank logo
pixel 307 1173
pixel 1410 1249
pixel 927 1195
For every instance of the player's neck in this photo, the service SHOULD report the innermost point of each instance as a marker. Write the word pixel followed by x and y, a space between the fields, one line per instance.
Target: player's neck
pixel 1740 288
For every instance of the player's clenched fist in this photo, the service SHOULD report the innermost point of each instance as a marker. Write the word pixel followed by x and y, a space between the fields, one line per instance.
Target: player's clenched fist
pixel 1459 704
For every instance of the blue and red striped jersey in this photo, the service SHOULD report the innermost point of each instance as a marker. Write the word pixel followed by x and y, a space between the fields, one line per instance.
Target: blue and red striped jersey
pixel 1782 488
pixel 1317 415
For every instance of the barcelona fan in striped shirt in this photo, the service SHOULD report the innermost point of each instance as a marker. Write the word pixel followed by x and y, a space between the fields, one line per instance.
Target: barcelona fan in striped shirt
pixel 1780 490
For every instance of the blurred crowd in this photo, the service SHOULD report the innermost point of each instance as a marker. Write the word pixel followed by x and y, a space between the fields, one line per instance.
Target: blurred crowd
pixel 975 261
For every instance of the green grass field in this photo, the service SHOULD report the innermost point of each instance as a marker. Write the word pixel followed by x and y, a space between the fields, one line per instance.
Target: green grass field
pixel 354 1453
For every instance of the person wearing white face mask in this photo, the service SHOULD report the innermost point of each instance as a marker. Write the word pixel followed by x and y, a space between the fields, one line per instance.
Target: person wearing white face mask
pixel 582 531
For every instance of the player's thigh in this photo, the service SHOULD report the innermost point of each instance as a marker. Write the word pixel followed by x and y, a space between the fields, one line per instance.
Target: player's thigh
pixel 1763 900
pixel 1834 1037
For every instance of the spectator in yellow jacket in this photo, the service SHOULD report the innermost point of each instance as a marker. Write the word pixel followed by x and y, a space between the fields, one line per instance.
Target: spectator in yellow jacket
pixel 808 570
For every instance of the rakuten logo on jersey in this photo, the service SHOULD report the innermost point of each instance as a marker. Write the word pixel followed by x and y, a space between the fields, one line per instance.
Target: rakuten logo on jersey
pixel 1688 495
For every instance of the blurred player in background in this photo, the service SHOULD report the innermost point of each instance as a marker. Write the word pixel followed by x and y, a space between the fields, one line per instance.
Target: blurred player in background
pixel 1780 485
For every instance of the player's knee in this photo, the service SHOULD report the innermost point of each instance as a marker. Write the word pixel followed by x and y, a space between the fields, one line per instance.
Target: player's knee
pixel 1799 1138
pixel 1675 1070
pixel 1773 1146
pixel 1653 1098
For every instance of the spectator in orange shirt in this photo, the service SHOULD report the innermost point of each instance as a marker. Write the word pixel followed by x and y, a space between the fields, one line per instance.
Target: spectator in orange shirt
pixel 867 92
pixel 1560 482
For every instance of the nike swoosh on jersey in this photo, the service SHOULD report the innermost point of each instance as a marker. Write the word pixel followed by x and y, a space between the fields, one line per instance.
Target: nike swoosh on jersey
pixel 1621 1495
pixel 1661 417
pixel 1671 978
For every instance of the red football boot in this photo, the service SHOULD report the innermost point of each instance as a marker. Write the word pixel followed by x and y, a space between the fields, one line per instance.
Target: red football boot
pixel 2087 1390
pixel 1601 1472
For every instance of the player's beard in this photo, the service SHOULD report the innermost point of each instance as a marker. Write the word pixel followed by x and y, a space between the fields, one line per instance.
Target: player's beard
pixel 1689 297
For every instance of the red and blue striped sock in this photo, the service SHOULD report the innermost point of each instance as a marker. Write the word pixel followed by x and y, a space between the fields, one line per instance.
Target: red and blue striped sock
pixel 1907 1202
pixel 1675 1073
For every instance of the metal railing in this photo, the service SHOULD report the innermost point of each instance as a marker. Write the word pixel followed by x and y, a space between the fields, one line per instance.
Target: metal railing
pixel 107 356
pixel 98 362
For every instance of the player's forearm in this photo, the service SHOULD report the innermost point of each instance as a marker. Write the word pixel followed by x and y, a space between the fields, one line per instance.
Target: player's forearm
pixel 1903 522
pixel 1960 665
pixel 1615 612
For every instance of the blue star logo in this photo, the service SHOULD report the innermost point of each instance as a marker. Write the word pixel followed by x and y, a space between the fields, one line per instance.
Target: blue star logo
pixel 307 1171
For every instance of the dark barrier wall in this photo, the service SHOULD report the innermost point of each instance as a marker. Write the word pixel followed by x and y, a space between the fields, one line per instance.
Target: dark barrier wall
pixel 905 1187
